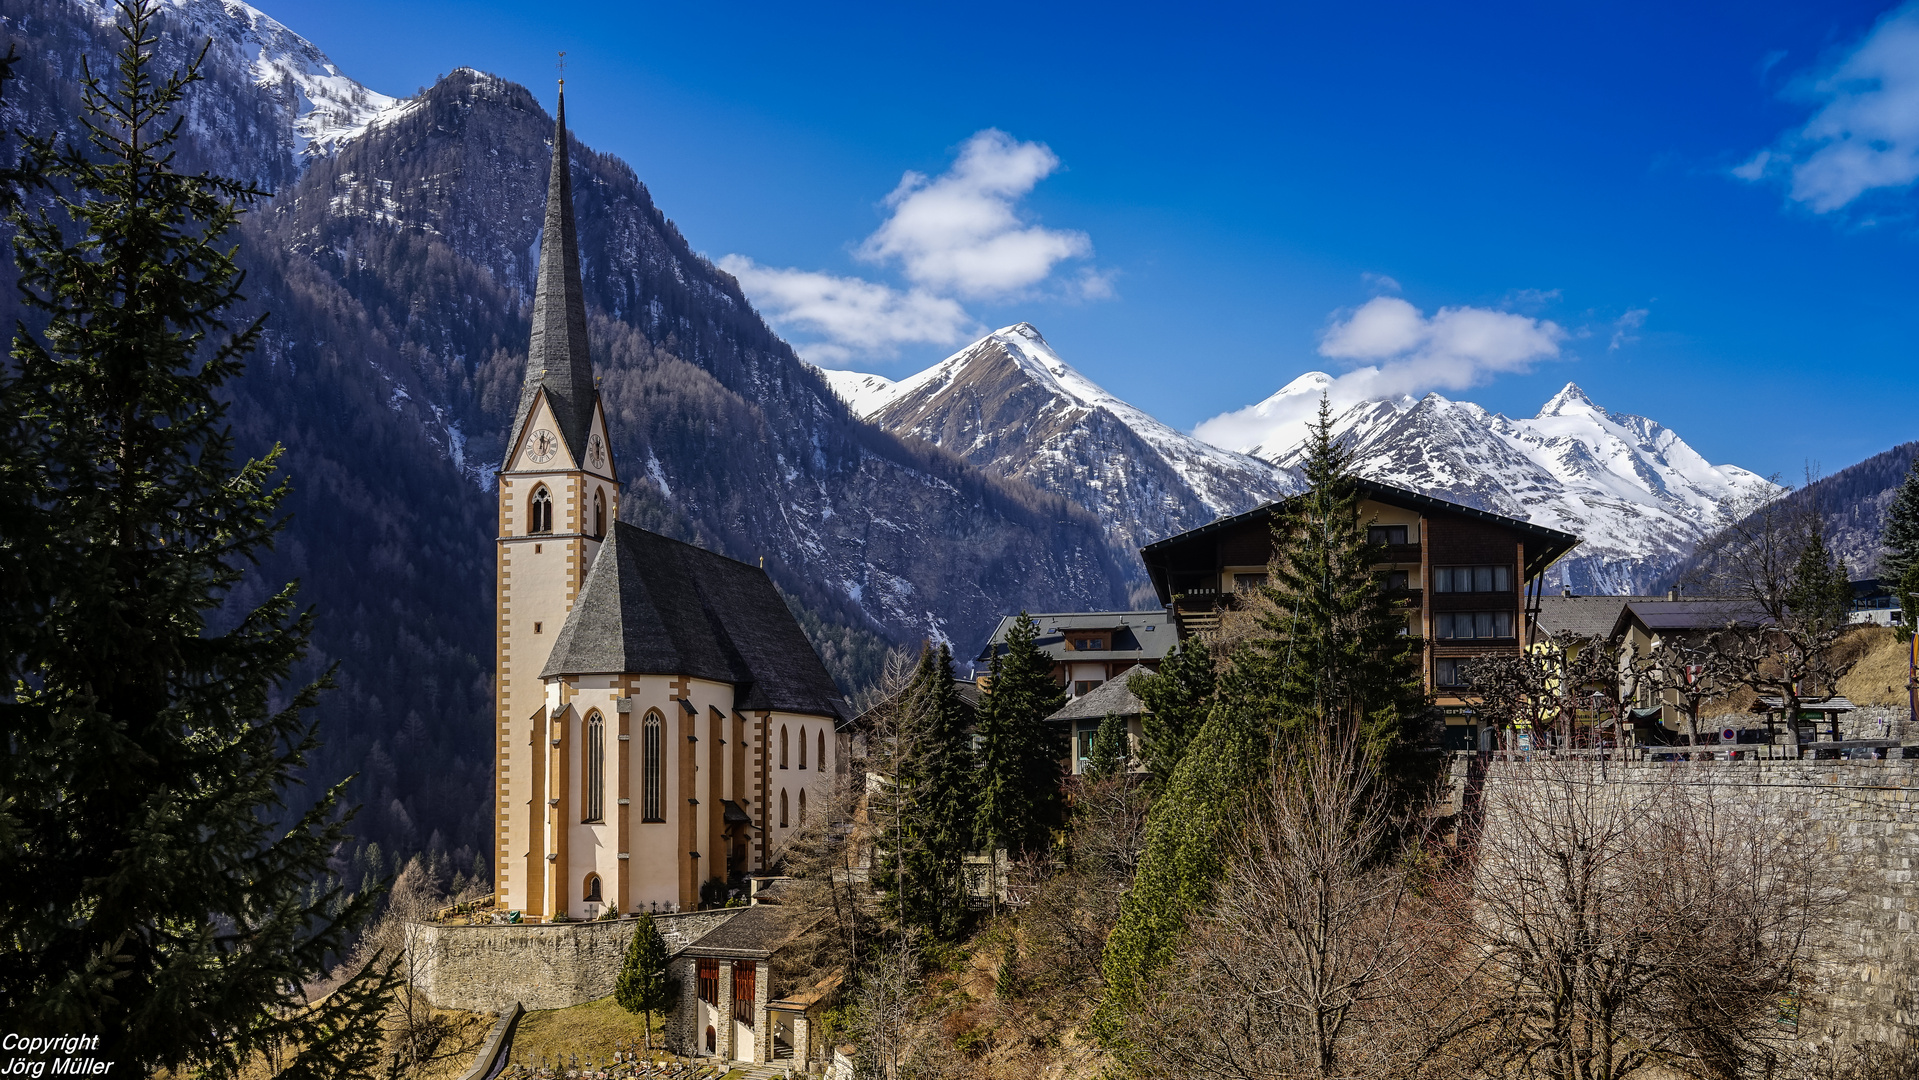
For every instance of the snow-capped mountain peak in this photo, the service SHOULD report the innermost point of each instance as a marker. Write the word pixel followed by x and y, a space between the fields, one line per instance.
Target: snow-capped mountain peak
pixel 324 107
pixel 1569 399
pixel 1009 402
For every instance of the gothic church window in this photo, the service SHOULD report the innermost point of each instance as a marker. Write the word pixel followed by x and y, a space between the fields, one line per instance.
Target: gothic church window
pixel 540 516
pixel 599 512
pixel 782 808
pixel 802 747
pixel 782 746
pixel 802 820
pixel 591 893
pixel 593 799
pixel 652 806
pixel 821 758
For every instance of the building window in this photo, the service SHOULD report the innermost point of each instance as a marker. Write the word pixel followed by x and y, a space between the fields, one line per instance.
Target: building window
pixel 1472 579
pixel 1085 686
pixel 743 978
pixel 651 798
pixel 802 746
pixel 593 800
pixel 802 820
pixel 591 892
pixel 712 1037
pixel 1085 753
pixel 709 976
pixel 1395 580
pixel 820 759
pixel 1474 624
pixel 540 511
pixel 599 512
pixel 1246 583
pixel 782 746
pixel 782 808
pixel 1449 672
pixel 1091 644
pixel 1385 534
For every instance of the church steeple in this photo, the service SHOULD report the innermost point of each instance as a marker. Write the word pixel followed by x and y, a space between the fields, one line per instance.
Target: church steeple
pixel 557 359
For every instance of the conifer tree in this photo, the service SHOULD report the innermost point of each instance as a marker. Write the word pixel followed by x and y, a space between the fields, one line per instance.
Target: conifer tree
pixel 925 805
pixel 1110 751
pixel 1819 595
pixel 153 898
pixel 1336 651
pixel 1899 565
pixel 1019 781
pixel 644 984
pixel 1177 698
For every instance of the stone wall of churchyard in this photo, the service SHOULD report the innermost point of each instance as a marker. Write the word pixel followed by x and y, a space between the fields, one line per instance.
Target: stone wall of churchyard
pixel 1864 818
pixel 541 966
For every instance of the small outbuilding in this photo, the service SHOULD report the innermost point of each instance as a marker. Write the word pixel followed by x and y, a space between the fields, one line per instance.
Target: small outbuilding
pixel 1083 714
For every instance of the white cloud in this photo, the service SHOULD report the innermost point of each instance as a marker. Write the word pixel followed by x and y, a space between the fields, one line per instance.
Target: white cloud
pixel 854 316
pixel 1403 352
pixel 1622 331
pixel 959 233
pixel 956 236
pixel 1865 135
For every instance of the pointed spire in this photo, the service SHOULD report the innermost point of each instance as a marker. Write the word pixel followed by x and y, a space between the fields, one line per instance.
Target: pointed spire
pixel 557 358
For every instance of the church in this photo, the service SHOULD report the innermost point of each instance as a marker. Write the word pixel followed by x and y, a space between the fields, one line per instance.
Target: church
pixel 663 721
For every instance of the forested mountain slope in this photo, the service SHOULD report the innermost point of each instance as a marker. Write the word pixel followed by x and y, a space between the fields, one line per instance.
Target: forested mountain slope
pixel 395 258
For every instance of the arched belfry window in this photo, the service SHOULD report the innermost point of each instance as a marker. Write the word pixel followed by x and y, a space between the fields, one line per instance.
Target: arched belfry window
pixel 593 798
pixel 599 511
pixel 540 511
pixel 802 806
pixel 802 746
pixel 782 746
pixel 782 808
pixel 652 799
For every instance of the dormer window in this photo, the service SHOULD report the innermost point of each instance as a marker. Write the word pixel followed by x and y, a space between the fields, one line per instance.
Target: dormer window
pixel 540 511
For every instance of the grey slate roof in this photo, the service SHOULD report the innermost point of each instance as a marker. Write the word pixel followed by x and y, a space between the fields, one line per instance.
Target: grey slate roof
pixel 1690 614
pixel 1583 616
pixel 557 359
pixel 755 933
pixel 1110 698
pixel 652 605
pixel 1136 635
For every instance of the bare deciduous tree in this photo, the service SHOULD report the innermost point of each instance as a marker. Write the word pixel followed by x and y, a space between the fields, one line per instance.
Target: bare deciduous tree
pixel 1625 925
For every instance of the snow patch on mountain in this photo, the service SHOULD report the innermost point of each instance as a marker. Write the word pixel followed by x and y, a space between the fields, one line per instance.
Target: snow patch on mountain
pixel 864 394
pixel 325 107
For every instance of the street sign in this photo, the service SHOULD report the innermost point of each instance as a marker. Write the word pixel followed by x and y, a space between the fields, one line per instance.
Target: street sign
pixel 1729 735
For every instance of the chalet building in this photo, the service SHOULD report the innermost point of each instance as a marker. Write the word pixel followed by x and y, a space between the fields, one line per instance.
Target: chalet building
pixel 662 720
pixel 1874 601
pixel 1090 647
pixel 1082 716
pixel 1642 624
pixel 1472 578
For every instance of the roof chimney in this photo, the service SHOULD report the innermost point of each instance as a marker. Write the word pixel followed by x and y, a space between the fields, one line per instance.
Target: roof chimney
pixel 1566 591
pixel 1672 593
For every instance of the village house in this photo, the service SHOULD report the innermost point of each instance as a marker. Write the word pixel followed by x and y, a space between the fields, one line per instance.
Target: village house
pixel 1472 578
pixel 1082 716
pixel 1089 647
pixel 662 720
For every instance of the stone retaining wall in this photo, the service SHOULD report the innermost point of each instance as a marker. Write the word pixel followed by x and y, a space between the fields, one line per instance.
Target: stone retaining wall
pixel 1864 817
pixel 541 966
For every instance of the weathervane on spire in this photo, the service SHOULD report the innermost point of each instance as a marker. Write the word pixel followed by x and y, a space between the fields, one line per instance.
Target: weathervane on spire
pixel 562 66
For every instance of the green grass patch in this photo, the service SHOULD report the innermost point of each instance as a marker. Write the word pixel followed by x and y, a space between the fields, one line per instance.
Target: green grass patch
pixel 593 1030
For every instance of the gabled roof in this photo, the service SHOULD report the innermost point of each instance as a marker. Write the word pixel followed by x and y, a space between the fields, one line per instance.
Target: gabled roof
pixel 1583 616
pixel 1670 615
pixel 1134 635
pixel 1110 698
pixel 557 360
pixel 1544 546
pixel 652 605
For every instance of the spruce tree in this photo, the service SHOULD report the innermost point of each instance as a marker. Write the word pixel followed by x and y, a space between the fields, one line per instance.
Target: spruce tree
pixel 644 984
pixel 925 806
pixel 1177 698
pixel 1019 783
pixel 1336 651
pixel 156 896
pixel 1899 564
pixel 1110 750
pixel 1819 595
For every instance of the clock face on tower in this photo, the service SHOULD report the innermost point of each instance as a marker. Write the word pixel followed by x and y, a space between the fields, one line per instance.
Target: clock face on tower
pixel 545 444
pixel 596 452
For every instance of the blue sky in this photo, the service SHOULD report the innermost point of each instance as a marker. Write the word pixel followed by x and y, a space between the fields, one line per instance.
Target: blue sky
pixel 1700 213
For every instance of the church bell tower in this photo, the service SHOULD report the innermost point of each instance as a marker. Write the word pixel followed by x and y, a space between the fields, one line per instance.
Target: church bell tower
pixel 558 497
